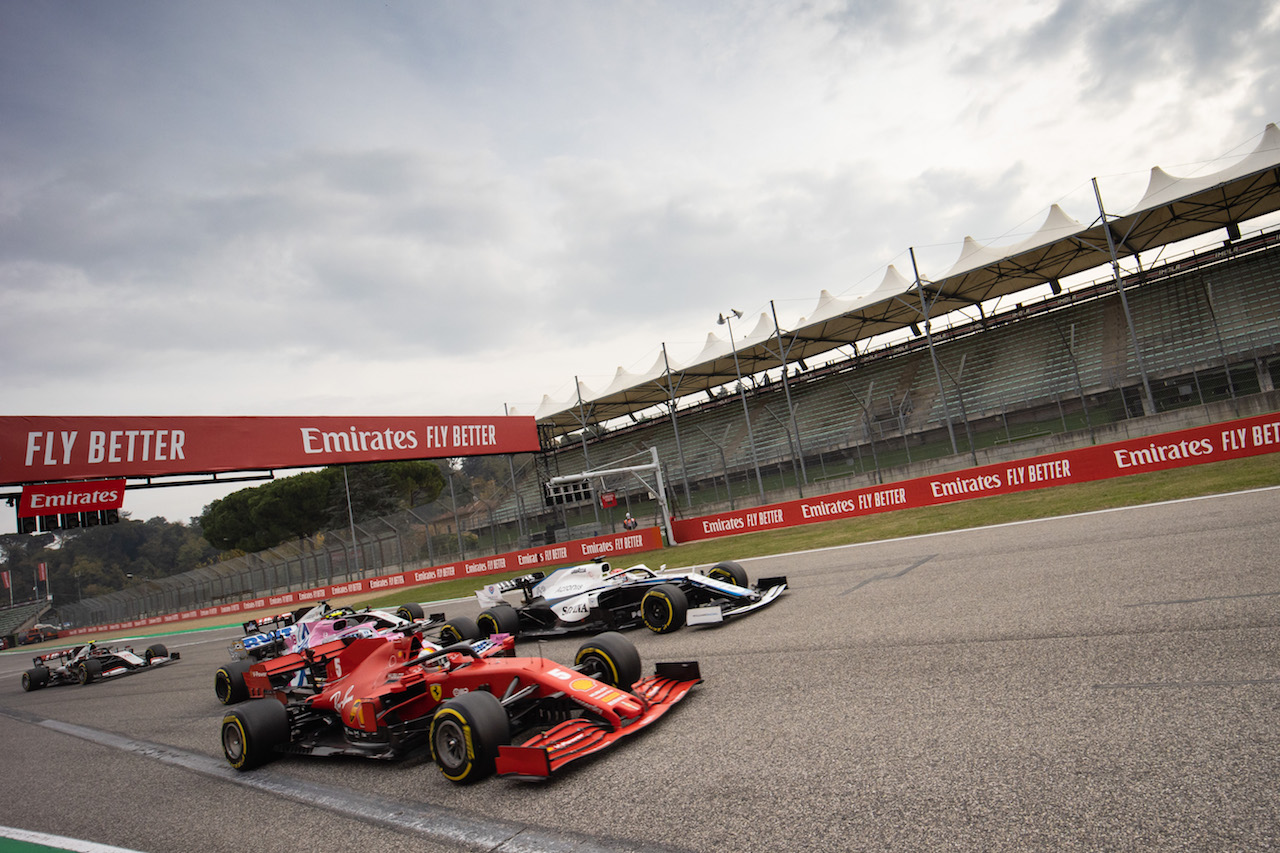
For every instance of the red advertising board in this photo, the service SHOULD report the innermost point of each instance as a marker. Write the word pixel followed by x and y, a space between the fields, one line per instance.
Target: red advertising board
pixel 52 498
pixel 1229 440
pixel 530 559
pixel 43 449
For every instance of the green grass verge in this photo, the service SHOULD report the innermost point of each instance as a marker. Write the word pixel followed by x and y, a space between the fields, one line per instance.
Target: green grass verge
pixel 1213 478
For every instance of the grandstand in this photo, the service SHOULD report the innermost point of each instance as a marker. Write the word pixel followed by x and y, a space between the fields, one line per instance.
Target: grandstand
pixel 948 371
pixel 1208 325
pixel 15 620
pixel 1165 317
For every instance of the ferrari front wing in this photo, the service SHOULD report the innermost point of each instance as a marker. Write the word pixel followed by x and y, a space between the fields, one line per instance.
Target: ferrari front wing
pixel 545 753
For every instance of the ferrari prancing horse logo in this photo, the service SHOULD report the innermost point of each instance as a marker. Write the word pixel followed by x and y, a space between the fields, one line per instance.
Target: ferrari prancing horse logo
pixel 437 692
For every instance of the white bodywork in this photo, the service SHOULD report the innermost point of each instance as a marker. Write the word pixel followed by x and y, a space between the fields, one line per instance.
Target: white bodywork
pixel 574 591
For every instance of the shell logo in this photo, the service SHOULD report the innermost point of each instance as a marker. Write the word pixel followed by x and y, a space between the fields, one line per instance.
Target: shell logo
pixel 582 684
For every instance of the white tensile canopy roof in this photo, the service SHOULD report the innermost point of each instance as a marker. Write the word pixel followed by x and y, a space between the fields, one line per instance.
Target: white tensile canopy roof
pixel 1172 209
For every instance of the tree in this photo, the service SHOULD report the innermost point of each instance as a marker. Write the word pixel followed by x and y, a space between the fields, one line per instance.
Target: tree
pixel 261 517
pixel 92 561
pixel 416 483
pixel 360 492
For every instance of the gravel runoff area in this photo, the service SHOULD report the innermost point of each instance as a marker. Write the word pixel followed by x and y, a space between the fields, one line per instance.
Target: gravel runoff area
pixel 1107 681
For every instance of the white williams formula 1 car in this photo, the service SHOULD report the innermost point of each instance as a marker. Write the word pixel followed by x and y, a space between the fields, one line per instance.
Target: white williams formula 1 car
pixel 593 597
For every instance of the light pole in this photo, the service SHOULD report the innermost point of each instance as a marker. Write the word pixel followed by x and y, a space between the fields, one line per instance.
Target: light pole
pixel 742 392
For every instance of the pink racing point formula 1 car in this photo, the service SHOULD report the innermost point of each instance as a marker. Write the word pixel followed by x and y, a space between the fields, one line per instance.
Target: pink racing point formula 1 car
pixel 296 632
pixel 480 709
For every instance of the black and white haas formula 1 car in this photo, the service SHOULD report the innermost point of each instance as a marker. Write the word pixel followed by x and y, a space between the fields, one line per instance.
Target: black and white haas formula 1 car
pixel 479 708
pixel 593 597
pixel 91 662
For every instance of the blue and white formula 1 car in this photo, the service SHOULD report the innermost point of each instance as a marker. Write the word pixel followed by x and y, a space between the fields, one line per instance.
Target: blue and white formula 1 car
pixel 593 597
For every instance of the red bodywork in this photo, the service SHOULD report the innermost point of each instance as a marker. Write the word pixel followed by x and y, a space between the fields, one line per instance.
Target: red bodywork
pixel 374 683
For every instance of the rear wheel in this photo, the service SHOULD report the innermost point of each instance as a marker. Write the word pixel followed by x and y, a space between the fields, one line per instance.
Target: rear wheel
pixel 34 679
pixel 729 572
pixel 466 732
pixel 611 658
pixel 663 608
pixel 459 630
pixel 502 619
pixel 228 682
pixel 89 670
pixel 410 611
pixel 251 732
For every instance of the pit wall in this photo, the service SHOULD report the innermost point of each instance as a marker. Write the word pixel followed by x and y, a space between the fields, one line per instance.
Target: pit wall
pixel 1236 439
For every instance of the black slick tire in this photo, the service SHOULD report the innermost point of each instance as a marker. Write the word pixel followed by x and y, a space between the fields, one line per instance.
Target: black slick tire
pixel 410 611
pixel 465 735
pixel 663 608
pixel 458 630
pixel 611 658
pixel 228 682
pixel 34 679
pixel 729 572
pixel 89 670
pixel 502 619
pixel 252 731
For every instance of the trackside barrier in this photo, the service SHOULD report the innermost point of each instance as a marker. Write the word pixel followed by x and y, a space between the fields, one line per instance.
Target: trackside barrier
pixel 561 553
pixel 1215 443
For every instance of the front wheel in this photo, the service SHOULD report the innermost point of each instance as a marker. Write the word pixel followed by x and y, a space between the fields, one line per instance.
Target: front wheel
pixel 465 735
pixel 155 651
pixel 251 732
pixel 611 658
pixel 410 612
pixel 89 671
pixel 663 608
pixel 228 682
pixel 729 572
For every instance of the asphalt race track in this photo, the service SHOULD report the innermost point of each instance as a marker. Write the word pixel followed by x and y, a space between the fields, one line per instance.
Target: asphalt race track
pixel 1108 681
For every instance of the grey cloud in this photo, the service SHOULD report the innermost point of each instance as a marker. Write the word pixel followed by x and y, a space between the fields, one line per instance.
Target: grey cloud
pixel 1127 45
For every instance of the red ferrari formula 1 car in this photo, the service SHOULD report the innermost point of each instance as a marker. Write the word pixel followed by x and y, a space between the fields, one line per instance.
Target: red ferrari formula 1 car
pixel 479 708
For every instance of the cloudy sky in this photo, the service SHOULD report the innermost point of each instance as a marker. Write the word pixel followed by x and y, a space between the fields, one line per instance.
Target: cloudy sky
pixel 276 208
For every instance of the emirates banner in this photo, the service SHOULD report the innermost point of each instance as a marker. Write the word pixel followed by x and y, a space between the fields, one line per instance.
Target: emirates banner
pixel 1228 440
pixel 42 449
pixel 52 498
pixel 546 557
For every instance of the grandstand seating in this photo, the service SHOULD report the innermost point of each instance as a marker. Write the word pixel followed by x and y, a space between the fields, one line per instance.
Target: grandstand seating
pixel 15 619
